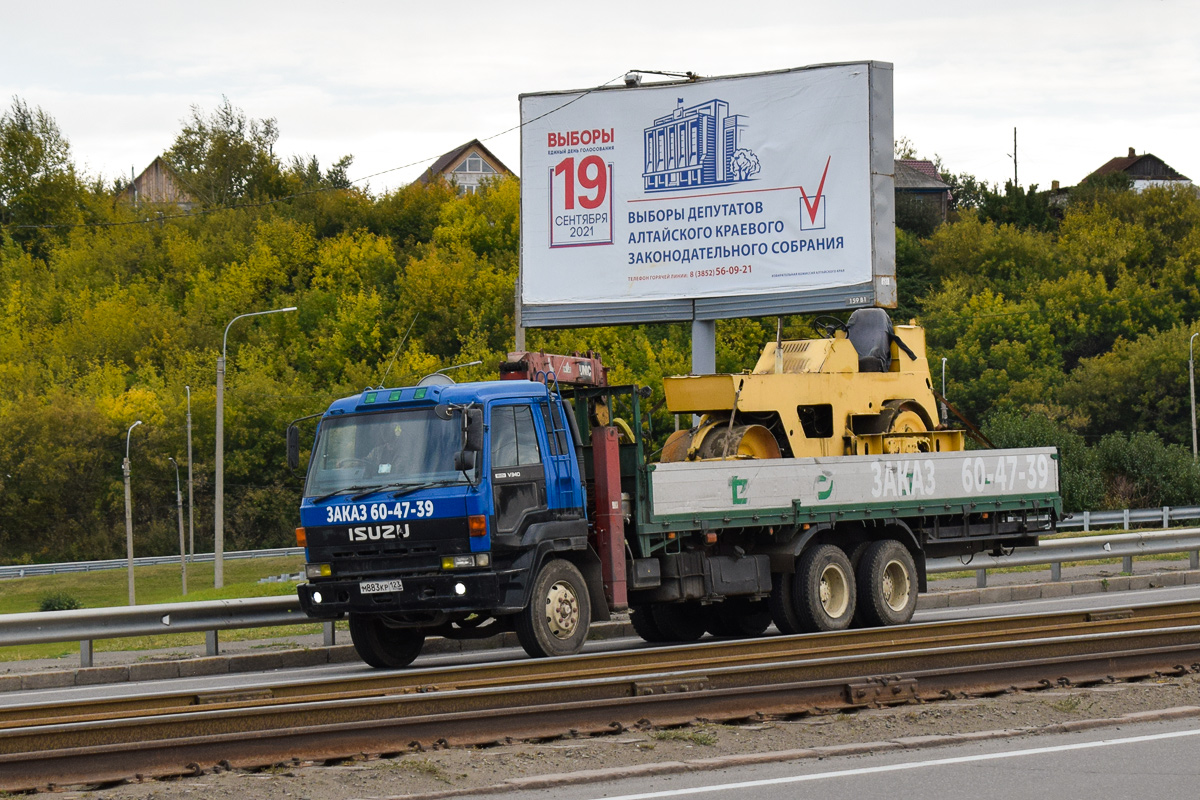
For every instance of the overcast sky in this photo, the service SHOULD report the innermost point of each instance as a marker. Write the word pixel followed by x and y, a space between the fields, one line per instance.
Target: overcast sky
pixel 399 83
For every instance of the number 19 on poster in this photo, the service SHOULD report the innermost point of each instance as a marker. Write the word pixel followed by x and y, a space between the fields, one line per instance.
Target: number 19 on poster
pixel 581 202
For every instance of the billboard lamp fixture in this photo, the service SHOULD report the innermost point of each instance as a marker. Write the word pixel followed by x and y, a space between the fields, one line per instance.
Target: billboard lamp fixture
pixel 634 76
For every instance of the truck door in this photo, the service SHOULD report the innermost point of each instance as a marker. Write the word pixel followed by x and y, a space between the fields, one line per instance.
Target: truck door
pixel 518 477
pixel 563 488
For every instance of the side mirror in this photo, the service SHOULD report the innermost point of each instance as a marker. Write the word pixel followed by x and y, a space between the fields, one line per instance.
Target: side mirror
pixel 473 430
pixel 293 447
pixel 464 460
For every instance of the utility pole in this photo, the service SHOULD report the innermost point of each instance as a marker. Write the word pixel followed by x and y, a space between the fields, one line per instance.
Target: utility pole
pixel 1192 386
pixel 191 508
pixel 179 506
pixel 1016 182
pixel 129 513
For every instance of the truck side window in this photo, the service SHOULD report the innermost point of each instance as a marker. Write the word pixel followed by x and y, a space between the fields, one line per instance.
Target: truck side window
pixel 514 439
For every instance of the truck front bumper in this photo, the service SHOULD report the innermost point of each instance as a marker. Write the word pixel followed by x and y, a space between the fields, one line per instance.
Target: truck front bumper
pixel 420 596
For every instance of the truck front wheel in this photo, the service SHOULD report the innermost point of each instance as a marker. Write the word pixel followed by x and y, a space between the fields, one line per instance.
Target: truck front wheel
pixel 824 590
pixel 556 621
pixel 383 646
pixel 887 584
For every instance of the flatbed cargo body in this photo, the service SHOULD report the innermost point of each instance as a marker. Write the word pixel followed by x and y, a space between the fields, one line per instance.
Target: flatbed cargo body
pixel 723 494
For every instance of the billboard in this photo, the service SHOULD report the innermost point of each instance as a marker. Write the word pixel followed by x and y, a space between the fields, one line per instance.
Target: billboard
pixel 747 195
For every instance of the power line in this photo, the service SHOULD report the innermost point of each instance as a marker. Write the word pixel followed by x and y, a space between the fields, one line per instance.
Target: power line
pixel 239 206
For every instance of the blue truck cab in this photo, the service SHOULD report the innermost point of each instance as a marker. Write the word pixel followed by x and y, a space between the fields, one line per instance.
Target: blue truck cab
pixel 450 509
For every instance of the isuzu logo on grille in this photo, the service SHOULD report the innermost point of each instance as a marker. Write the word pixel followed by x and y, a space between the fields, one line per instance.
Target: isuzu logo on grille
pixel 362 533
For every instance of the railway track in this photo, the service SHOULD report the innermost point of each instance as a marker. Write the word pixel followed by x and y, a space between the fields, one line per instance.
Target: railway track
pixel 45 744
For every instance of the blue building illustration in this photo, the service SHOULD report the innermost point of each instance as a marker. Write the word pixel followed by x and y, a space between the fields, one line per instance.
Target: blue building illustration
pixel 695 147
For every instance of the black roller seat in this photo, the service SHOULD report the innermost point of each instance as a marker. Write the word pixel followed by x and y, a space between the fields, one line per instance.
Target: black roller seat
pixel 870 331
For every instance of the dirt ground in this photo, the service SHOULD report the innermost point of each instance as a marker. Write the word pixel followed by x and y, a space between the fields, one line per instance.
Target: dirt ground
pixel 459 770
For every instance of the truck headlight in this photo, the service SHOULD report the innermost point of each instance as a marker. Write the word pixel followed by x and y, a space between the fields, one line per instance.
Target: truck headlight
pixel 318 570
pixel 458 562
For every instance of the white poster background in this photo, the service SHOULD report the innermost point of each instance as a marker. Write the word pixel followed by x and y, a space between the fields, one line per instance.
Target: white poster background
pixel 722 187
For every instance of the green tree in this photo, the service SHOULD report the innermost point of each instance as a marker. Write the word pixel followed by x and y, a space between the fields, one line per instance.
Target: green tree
pixel 1000 354
pixel 38 183
pixel 1139 385
pixel 1025 209
pixel 224 156
pixel 981 254
pixel 966 191
pixel 913 275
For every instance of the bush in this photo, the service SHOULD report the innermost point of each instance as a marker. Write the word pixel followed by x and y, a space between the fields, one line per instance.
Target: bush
pixel 1142 471
pixel 1080 480
pixel 59 601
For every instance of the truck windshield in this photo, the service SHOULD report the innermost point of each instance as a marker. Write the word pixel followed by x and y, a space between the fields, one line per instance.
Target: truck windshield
pixel 384 449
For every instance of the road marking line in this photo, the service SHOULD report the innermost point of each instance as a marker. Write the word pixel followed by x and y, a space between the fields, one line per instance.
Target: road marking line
pixel 910 765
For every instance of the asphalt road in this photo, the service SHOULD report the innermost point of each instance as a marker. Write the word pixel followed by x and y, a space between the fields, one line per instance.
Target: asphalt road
pixel 1147 760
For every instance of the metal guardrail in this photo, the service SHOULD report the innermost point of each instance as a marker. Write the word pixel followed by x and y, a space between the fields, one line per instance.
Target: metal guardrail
pixel 1089 520
pixel 212 616
pixel 209 616
pixel 1087 548
pixel 29 570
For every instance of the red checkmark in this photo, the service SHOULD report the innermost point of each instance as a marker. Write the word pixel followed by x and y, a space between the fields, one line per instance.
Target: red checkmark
pixel 815 206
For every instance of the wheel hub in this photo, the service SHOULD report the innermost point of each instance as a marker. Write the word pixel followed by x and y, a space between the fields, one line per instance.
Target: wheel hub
pixel 895 585
pixel 562 610
pixel 834 592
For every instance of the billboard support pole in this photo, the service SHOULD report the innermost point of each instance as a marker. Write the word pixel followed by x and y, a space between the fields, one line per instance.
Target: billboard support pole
pixel 704 351
pixel 704 346
pixel 519 325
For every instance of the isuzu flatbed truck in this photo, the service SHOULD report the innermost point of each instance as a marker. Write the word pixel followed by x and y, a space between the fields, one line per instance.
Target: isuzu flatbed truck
pixel 532 503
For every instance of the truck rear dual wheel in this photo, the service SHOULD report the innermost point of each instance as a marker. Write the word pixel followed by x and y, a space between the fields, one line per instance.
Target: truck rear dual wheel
pixel 819 596
pixel 556 621
pixel 642 620
pixel 738 618
pixel 383 646
pixel 887 584
pixel 679 622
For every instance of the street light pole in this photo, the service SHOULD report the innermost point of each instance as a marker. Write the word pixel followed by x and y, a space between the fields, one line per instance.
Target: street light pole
pixel 219 513
pixel 129 513
pixel 191 507
pixel 945 417
pixel 179 506
pixel 1192 386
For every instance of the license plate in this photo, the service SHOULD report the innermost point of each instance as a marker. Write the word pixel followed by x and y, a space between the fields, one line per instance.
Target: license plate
pixel 377 587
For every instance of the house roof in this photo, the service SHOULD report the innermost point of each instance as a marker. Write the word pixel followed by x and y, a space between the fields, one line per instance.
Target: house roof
pixel 921 165
pixel 1147 166
pixel 160 183
pixel 918 176
pixel 446 160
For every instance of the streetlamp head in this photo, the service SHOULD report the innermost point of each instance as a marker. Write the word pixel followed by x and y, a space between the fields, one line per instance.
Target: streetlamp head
pixel 225 338
pixel 127 434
